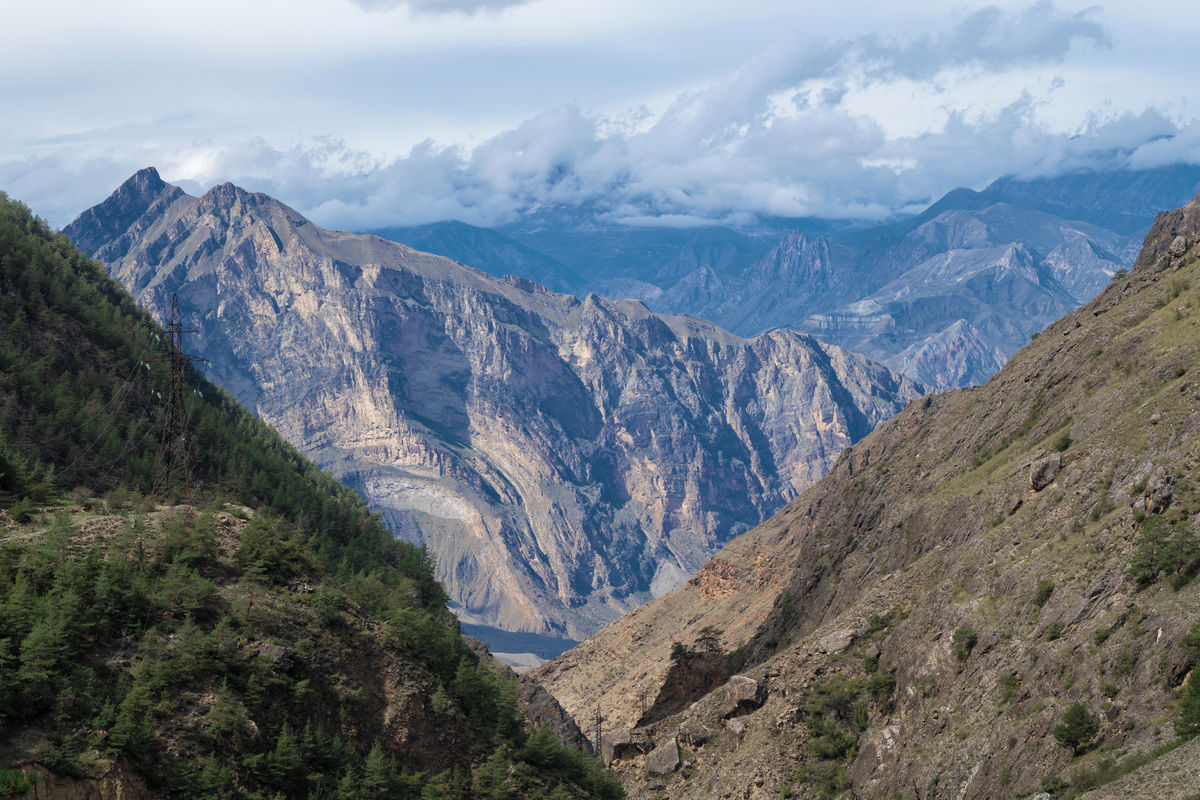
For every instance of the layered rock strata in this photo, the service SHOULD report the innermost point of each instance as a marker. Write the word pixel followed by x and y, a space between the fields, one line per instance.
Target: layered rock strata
pixel 564 460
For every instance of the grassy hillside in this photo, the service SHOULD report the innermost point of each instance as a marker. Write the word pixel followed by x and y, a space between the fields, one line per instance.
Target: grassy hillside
pixel 260 637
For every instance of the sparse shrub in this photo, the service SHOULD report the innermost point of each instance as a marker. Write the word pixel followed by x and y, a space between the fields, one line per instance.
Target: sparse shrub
pixel 1063 441
pixel 22 510
pixel 17 782
pixel 1054 785
pixel 1126 662
pixel 1109 689
pixel 827 778
pixel 1187 724
pixel 1008 684
pixel 1191 645
pixel 964 640
pixel 1045 588
pixel 1119 274
pixel 881 685
pixel 1077 729
pixel 1055 631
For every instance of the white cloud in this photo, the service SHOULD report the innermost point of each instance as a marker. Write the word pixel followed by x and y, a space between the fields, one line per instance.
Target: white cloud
pixel 439 6
pixel 862 126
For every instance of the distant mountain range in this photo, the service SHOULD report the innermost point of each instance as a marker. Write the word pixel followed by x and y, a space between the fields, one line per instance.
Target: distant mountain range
pixel 564 460
pixel 946 296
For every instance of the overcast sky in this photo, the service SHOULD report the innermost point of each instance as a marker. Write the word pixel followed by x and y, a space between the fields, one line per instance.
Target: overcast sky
pixel 364 113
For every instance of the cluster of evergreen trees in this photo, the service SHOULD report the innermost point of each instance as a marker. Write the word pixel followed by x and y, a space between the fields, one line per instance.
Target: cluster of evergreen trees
pixel 139 643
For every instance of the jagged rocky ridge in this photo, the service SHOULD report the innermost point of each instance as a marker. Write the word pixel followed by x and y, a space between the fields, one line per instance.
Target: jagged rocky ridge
pixel 944 297
pixel 564 460
pixel 922 618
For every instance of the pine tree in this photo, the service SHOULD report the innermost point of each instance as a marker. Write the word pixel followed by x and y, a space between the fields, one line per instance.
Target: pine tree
pixel 1187 724
pixel 1077 729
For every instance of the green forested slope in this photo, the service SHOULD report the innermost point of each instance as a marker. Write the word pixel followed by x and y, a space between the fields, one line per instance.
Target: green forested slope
pixel 262 636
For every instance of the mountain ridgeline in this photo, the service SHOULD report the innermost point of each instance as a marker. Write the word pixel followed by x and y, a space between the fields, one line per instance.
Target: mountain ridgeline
pixel 257 634
pixel 563 460
pixel 945 297
pixel 992 595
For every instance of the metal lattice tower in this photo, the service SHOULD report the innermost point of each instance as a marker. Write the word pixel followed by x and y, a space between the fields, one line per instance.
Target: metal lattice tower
pixel 173 468
pixel 598 721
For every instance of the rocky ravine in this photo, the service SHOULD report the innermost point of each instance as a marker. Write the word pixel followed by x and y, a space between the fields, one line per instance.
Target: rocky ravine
pixel 917 623
pixel 564 460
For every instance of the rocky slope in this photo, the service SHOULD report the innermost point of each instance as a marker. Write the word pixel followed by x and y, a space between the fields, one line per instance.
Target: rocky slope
pixel 922 619
pixel 564 460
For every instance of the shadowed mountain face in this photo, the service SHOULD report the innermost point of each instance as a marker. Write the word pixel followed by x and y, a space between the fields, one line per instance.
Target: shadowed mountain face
pixel 946 296
pixel 564 460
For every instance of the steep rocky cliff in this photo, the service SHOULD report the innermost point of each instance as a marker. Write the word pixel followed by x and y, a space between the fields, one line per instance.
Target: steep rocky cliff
pixel 923 620
pixel 564 460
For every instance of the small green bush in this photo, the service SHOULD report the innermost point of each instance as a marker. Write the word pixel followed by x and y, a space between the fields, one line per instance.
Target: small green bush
pixel 964 642
pixel 1126 662
pixel 1191 645
pixel 1045 588
pixel 1008 684
pixel 1187 724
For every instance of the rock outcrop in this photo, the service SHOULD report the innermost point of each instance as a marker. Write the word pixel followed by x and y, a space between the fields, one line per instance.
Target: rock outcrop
pixel 691 676
pixel 742 696
pixel 664 759
pixel 563 460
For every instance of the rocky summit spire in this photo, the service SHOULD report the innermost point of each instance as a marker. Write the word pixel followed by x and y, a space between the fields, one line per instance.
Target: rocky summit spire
pixel 103 223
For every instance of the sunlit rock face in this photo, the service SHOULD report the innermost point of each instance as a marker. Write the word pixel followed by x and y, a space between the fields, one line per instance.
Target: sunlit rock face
pixel 563 459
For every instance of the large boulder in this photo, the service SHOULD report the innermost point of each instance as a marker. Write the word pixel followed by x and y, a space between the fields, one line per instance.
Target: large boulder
pixel 620 745
pixel 1043 471
pixel 693 734
pixel 664 759
pixel 742 695
pixel 1159 492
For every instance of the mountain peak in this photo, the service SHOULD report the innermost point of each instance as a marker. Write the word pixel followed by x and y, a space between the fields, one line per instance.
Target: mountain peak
pixel 100 224
pixel 225 196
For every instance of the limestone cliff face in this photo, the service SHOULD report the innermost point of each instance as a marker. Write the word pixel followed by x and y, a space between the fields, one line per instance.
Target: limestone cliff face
pixel 564 460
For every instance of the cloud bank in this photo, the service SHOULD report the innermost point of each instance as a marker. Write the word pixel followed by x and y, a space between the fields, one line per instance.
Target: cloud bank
pixel 433 7
pixel 796 131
